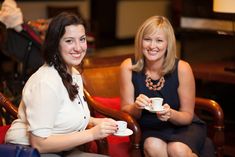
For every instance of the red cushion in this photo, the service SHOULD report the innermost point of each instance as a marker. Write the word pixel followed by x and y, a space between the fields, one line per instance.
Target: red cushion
pixel 118 146
pixel 113 103
pixel 3 130
pixel 109 102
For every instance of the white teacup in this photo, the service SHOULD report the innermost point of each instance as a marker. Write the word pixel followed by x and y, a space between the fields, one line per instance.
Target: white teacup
pixel 122 126
pixel 157 103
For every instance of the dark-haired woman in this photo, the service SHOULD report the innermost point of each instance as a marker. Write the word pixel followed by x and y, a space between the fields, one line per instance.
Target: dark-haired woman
pixel 53 114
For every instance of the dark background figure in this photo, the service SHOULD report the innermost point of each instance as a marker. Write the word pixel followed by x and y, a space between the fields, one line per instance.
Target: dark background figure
pixel 24 48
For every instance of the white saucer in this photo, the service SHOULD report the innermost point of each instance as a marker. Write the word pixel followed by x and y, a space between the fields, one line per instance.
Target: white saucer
pixel 153 111
pixel 127 132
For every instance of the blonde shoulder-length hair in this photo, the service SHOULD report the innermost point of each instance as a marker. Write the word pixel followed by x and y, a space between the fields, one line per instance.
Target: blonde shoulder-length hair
pixel 149 26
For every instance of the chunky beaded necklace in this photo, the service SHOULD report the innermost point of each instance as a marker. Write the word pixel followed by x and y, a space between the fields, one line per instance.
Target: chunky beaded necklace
pixel 151 86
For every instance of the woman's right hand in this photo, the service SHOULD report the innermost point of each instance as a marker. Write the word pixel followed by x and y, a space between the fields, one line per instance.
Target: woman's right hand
pixel 104 128
pixel 142 101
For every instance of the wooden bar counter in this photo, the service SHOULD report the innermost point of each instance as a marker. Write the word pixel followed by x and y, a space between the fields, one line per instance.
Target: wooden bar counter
pixel 222 72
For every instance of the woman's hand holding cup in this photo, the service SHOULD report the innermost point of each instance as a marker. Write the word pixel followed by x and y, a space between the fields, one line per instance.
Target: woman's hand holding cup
pixel 142 101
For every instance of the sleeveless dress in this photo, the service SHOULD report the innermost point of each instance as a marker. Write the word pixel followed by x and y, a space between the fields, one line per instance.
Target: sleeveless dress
pixel 193 135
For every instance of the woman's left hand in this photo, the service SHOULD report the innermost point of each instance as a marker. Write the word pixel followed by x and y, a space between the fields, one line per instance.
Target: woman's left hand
pixel 165 114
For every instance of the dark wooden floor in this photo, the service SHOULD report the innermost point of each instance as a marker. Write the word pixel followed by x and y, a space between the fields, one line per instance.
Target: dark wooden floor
pixel 229 150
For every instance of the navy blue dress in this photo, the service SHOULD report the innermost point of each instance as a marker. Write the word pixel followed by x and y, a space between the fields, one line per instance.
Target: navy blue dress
pixel 193 135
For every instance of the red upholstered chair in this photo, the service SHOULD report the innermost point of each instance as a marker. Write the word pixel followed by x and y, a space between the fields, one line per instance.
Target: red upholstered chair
pixel 102 92
pixel 207 109
pixel 109 107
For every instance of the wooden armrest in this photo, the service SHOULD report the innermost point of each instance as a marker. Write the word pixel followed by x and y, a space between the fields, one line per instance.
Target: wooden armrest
pixel 7 104
pixel 212 107
pixel 7 107
pixel 217 114
pixel 109 112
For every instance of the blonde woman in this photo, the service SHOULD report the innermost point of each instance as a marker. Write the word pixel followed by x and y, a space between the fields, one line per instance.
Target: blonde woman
pixel 157 72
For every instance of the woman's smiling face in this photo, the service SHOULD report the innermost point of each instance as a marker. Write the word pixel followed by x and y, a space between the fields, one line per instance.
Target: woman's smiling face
pixel 155 45
pixel 73 45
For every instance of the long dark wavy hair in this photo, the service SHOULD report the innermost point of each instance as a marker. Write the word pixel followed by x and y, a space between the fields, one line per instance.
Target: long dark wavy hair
pixel 51 51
